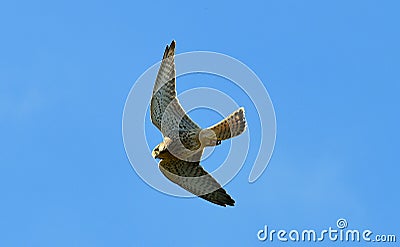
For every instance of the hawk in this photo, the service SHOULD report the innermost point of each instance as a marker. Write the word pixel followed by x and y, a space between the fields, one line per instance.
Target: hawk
pixel 184 141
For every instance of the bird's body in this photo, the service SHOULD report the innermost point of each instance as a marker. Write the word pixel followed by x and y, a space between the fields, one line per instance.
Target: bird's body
pixel 184 141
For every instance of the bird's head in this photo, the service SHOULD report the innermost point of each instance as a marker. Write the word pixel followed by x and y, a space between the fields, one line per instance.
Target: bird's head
pixel 159 151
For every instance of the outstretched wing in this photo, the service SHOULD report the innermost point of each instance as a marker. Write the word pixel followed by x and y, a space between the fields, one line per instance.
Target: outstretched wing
pixel 166 112
pixel 193 178
pixel 164 88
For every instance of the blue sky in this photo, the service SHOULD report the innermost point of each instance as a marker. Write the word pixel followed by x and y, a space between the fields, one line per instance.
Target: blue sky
pixel 66 68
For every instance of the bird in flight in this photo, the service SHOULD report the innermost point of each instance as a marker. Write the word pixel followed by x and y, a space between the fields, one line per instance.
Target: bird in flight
pixel 184 141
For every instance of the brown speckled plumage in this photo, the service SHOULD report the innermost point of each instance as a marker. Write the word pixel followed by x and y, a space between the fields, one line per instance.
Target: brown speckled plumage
pixel 184 141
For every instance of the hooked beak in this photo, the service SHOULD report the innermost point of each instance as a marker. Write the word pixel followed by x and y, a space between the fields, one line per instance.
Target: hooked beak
pixel 154 154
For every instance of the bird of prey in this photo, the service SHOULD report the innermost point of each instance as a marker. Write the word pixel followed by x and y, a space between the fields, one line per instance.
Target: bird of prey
pixel 184 141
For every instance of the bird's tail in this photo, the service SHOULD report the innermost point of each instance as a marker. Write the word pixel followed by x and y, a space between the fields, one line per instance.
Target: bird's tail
pixel 231 126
